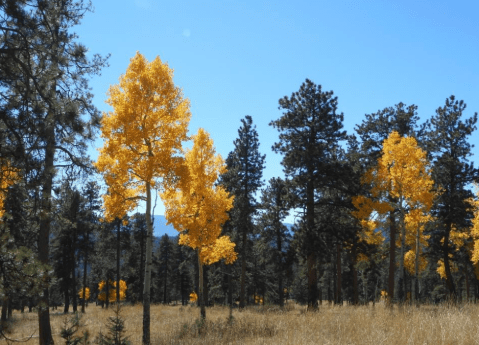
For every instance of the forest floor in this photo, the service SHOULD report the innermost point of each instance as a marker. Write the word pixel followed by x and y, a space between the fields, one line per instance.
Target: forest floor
pixel 270 325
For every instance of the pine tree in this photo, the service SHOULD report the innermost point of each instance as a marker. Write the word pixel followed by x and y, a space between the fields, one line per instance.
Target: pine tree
pixel 165 262
pixel 47 108
pixel 65 243
pixel 275 207
pixel 452 173
pixel 89 224
pixel 310 130
pixel 244 166
pixel 136 257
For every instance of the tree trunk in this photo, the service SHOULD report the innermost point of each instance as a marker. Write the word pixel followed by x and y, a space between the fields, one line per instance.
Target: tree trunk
pixel 447 267
pixel 311 258
pixel 107 292
pixel 66 295
pixel 339 298
pixel 312 283
pixel 355 276
pixel 45 332
pixel 467 284
pixel 200 288
pixel 85 259
pixel 230 289
pixel 334 269
pixel 148 264
pixel 4 312
pixel 392 256
pixel 118 252
pixel 401 280
pixel 74 284
pixel 142 264
pixel 243 272
pixel 205 286
pixel 416 270
pixel 280 258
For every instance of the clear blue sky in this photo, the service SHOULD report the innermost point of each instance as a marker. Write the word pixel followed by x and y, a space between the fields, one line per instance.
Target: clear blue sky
pixel 237 58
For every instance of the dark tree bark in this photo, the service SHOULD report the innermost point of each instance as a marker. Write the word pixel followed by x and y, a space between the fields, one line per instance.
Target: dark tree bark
pixel 392 256
pixel 118 252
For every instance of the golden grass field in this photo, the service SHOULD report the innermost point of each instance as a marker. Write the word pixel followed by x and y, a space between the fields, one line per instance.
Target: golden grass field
pixel 268 325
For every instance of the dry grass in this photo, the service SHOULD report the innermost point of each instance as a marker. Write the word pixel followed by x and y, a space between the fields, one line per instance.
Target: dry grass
pixel 257 325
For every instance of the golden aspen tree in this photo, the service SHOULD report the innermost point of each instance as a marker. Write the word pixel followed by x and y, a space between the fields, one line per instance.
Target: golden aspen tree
pixel 143 138
pixel 401 182
pixel 87 293
pixel 198 207
pixel 111 291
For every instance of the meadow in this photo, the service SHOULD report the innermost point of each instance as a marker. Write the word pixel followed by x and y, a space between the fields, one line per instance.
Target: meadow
pixel 269 325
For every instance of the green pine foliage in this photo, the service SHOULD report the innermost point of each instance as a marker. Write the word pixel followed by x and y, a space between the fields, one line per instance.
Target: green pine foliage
pixel 69 330
pixel 116 330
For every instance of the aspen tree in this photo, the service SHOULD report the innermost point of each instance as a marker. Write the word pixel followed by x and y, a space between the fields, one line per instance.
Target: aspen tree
pixel 400 181
pixel 199 207
pixel 143 137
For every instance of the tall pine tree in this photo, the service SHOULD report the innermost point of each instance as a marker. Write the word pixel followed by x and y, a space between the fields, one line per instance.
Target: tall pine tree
pixel 47 108
pixel 245 166
pixel 452 173
pixel 310 130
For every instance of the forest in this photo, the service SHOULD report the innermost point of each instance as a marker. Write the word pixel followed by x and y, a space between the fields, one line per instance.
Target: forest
pixel 385 214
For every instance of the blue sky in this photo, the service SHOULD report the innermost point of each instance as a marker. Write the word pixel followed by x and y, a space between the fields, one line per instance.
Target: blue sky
pixel 237 58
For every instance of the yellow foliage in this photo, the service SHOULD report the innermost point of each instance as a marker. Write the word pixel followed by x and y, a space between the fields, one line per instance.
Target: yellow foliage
pixel 112 291
pixel 441 269
pixel 384 296
pixel 87 293
pixel 403 168
pixel 193 297
pixel 400 181
pixel 143 134
pixel 198 207
pixel 223 248
pixel 410 262
pixel 475 227
pixel 458 238
pixel 8 177
pixel 362 257
pixel 258 299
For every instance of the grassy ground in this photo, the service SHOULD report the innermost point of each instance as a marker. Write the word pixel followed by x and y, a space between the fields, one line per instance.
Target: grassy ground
pixel 257 325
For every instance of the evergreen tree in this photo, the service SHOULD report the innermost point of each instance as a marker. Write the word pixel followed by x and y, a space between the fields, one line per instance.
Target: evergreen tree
pixel 65 243
pixel 136 257
pixel 89 225
pixel 310 130
pixel 104 258
pixel 165 267
pixel 452 173
pixel 245 166
pixel 47 108
pixel 275 233
pixel 183 272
